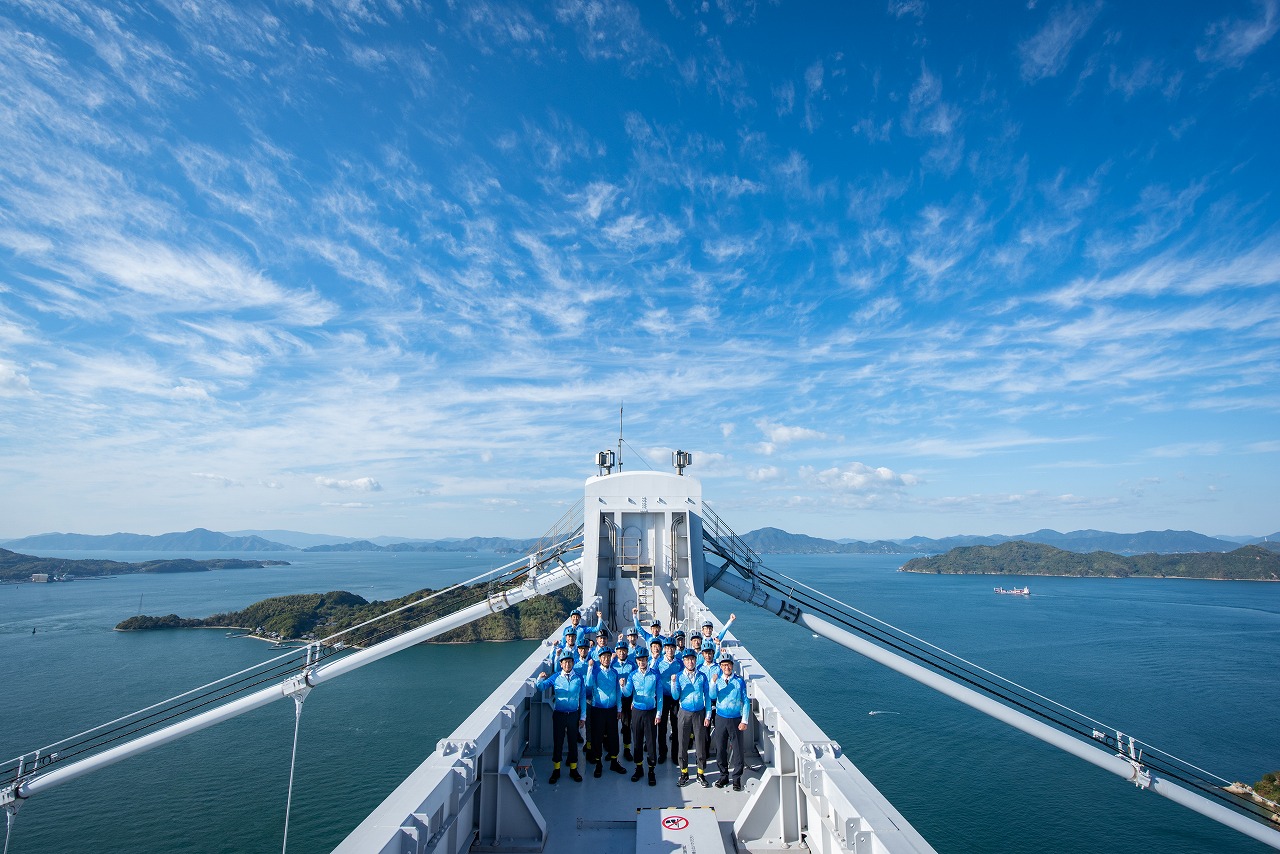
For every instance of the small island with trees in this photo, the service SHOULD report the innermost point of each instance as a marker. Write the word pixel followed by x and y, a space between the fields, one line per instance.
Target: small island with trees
pixel 15 567
pixel 1248 563
pixel 311 616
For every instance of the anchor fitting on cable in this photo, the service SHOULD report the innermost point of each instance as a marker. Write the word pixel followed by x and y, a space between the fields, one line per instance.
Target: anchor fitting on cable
pixel 298 687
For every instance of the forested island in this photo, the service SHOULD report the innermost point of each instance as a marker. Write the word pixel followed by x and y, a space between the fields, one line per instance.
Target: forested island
pixel 305 616
pixel 1248 563
pixel 20 567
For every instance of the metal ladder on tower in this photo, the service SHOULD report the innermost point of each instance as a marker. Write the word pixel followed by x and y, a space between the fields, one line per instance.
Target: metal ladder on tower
pixel 645 587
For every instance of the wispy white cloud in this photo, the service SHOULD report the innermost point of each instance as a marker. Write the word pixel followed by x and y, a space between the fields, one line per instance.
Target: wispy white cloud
pixel 361 484
pixel 1177 271
pixel 904 8
pixel 12 381
pixel 219 479
pixel 1230 41
pixel 1045 54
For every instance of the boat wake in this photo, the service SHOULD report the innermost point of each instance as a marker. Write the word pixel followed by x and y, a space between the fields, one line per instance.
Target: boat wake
pixel 881 712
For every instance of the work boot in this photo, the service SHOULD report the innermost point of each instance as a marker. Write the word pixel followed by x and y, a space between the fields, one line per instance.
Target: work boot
pixel 684 779
pixel 574 775
pixel 614 766
pixel 662 758
pixel 653 778
pixel 599 769
pixel 737 786
pixel 626 753
pixel 638 774
pixel 555 777
pixel 702 781
pixel 721 783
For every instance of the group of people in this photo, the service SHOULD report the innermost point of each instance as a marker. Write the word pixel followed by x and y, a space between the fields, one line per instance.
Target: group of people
pixel 661 690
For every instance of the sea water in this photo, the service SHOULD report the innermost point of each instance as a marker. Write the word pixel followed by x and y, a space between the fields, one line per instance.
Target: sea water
pixel 1184 665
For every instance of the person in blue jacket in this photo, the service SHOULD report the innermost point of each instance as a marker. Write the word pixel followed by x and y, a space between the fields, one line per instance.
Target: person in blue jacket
pixel 654 631
pixel 605 693
pixel 569 704
pixel 570 634
pixel 693 695
pixel 602 643
pixel 733 708
pixel 623 663
pixel 708 630
pixel 576 632
pixel 709 666
pixel 646 713
pixel 667 667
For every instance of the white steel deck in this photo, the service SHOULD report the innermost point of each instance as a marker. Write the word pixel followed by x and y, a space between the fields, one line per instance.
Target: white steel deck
pixel 485 788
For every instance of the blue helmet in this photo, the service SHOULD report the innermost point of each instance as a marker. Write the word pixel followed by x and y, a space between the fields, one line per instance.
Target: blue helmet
pixel 708 645
pixel 566 654
pixel 724 656
pixel 689 653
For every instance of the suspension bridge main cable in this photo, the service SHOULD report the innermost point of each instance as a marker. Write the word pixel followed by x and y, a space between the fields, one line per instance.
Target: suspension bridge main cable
pixel 989 683
pixel 1027 703
pixel 245 680
pixel 1027 692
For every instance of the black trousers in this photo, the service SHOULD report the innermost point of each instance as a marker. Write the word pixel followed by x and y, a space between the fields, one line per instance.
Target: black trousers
pixel 667 729
pixel 691 728
pixel 726 734
pixel 626 720
pixel 602 734
pixel 564 727
pixel 644 732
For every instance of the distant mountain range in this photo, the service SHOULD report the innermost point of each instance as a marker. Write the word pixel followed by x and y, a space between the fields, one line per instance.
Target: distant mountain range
pixel 195 540
pixel 774 541
pixel 764 541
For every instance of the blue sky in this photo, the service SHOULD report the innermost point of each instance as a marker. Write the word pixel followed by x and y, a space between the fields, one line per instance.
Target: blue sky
pixel 884 268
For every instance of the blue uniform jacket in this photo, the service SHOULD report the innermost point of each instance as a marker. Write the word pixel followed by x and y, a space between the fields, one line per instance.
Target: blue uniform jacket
pixel 602 685
pixel 644 633
pixel 582 631
pixel 569 693
pixel 709 670
pixel 643 688
pixel 730 696
pixel 693 693
pixel 667 669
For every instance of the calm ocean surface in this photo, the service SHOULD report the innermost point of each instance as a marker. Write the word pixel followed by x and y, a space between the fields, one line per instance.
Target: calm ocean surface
pixel 1188 666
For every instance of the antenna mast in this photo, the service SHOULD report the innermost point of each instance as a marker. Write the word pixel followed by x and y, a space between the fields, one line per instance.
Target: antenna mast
pixel 619 437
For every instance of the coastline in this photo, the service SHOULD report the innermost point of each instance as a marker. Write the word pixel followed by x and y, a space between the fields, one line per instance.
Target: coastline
pixel 1077 575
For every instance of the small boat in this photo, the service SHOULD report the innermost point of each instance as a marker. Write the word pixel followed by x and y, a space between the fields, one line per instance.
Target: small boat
pixel 1014 591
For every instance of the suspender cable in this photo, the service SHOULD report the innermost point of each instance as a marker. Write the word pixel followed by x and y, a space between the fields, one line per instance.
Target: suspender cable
pixel 298 697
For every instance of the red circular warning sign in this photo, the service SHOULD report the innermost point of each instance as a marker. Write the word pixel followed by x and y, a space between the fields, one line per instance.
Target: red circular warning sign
pixel 675 822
